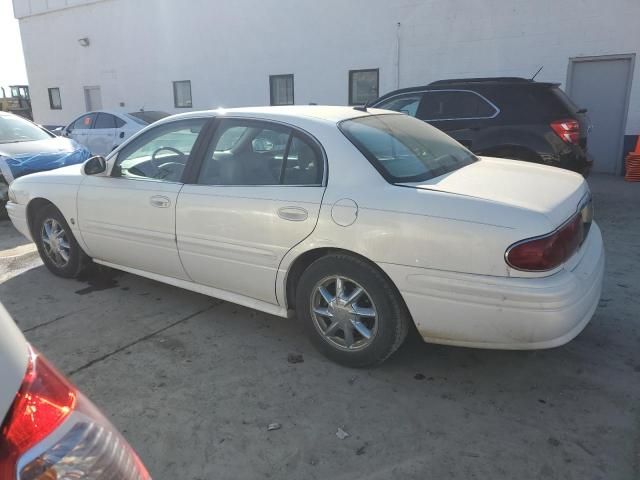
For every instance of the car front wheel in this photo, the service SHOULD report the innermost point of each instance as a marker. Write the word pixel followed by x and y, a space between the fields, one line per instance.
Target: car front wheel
pixel 352 312
pixel 56 244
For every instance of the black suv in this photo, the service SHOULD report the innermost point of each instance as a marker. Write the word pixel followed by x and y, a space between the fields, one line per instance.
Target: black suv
pixel 504 117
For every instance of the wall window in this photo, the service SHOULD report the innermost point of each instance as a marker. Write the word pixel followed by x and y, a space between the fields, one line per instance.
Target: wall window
pixel 281 87
pixel 55 102
pixel 363 86
pixel 182 94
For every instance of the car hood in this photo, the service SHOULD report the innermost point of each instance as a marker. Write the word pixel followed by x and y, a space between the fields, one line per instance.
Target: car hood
pixel 22 158
pixel 550 191
pixel 14 355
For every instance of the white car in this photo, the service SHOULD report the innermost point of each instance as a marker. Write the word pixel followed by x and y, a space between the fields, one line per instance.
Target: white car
pixel 360 221
pixel 102 131
pixel 50 430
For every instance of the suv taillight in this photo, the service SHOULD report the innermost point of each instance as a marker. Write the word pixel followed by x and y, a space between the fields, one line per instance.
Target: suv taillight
pixel 52 431
pixel 568 130
pixel 547 252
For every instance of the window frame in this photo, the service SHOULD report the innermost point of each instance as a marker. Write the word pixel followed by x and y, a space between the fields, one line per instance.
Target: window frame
pixel 362 70
pixel 51 106
pixel 430 90
pixel 193 155
pixel 175 94
pixel 192 172
pixel 293 89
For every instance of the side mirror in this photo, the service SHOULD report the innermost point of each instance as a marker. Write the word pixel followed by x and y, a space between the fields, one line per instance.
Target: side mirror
pixel 95 165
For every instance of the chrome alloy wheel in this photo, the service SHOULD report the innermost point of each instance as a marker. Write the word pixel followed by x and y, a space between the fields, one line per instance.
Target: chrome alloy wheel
pixel 55 242
pixel 344 313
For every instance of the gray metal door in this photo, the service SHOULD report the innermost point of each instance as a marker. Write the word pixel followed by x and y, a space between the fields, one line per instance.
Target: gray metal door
pixel 93 98
pixel 602 85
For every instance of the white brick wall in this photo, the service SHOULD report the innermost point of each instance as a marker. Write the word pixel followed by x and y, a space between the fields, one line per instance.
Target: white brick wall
pixel 228 48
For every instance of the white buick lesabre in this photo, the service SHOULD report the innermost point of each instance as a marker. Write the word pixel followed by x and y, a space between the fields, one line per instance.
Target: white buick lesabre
pixel 359 221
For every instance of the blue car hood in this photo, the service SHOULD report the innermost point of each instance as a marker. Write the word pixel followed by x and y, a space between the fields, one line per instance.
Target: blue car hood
pixel 22 158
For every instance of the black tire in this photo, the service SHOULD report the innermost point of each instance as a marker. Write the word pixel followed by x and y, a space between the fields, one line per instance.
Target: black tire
pixel 392 319
pixel 77 259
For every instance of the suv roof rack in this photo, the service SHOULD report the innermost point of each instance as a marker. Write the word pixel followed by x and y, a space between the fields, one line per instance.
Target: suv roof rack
pixel 483 80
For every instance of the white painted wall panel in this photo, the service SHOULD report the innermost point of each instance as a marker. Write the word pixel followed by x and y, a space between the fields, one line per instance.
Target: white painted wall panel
pixel 228 48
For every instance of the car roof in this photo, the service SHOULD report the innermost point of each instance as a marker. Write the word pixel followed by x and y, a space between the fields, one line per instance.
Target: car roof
pixel 320 113
pixel 469 83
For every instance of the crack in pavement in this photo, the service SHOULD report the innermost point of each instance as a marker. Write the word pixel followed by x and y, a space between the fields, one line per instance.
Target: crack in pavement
pixel 142 339
pixel 49 322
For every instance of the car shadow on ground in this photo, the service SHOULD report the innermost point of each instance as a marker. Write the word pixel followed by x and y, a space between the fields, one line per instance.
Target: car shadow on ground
pixel 198 372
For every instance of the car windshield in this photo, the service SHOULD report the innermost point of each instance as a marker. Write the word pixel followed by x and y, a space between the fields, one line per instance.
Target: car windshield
pixel 147 118
pixel 14 129
pixel 404 149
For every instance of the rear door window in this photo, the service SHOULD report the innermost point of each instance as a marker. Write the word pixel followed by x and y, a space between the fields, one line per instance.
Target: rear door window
pixel 454 105
pixel 105 120
pixel 251 152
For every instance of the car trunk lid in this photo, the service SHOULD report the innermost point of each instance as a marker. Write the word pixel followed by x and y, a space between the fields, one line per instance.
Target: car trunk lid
pixel 550 191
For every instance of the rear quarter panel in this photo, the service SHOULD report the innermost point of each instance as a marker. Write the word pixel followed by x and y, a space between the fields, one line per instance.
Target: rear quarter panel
pixel 408 226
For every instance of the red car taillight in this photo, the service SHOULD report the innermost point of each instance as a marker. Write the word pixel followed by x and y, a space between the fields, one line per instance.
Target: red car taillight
pixel 568 130
pixel 53 432
pixel 547 252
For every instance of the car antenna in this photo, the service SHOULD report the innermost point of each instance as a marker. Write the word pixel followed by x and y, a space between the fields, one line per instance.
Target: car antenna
pixel 361 108
pixel 536 74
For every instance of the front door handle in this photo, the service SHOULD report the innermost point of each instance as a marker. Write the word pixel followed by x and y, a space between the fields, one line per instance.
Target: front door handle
pixel 294 214
pixel 160 201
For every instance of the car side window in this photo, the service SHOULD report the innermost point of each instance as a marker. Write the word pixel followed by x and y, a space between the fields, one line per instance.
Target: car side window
pixel 252 152
pixel 105 120
pixel 403 103
pixel 85 122
pixel 454 105
pixel 161 153
pixel 119 122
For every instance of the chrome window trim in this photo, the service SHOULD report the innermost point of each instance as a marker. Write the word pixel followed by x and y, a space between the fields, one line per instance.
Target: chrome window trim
pixel 493 105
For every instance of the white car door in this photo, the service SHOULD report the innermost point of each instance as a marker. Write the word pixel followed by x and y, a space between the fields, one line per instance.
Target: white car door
pixel 128 217
pixel 255 195
pixel 102 136
pixel 80 129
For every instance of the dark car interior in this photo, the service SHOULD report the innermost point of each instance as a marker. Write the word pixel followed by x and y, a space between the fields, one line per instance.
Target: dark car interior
pixel 256 156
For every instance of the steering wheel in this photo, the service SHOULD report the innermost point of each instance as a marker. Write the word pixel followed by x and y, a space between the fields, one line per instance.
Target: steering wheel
pixel 154 161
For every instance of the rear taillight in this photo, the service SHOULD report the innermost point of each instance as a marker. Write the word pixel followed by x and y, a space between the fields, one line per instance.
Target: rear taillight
pixel 549 251
pixel 568 130
pixel 53 432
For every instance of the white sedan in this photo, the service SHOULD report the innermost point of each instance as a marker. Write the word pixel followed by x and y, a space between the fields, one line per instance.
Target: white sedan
pixel 361 222
pixel 50 430
pixel 103 131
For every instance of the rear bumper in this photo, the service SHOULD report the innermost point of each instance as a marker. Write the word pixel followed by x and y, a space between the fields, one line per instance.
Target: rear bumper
pixel 501 312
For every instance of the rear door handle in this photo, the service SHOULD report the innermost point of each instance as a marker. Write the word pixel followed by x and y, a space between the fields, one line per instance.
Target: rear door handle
pixel 294 214
pixel 160 201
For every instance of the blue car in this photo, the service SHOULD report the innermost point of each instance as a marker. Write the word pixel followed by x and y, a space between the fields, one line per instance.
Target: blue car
pixel 28 148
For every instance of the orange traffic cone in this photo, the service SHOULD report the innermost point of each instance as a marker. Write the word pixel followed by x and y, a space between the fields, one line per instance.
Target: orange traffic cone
pixel 632 164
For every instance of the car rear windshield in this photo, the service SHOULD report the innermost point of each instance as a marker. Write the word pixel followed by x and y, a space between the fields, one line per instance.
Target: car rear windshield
pixel 404 149
pixel 14 129
pixel 147 118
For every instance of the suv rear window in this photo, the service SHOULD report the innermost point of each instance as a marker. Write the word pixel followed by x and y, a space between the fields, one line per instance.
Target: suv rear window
pixel 404 149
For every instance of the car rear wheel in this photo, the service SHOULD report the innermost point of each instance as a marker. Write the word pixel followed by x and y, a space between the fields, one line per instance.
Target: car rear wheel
pixel 56 244
pixel 352 312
